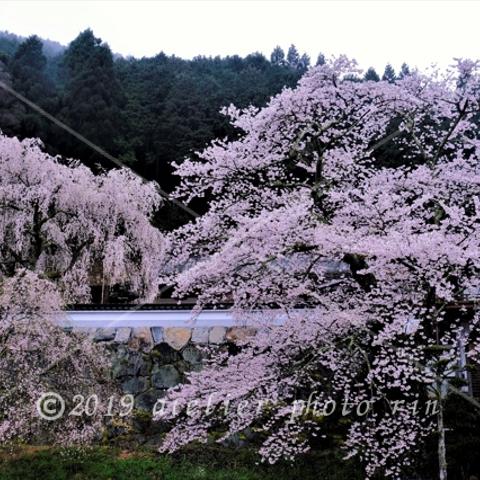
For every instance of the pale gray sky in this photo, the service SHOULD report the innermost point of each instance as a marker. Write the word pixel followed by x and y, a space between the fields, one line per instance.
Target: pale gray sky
pixel 373 32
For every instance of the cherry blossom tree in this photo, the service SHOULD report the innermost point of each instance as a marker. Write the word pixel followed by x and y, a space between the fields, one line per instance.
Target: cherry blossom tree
pixel 59 225
pixel 305 186
pixel 38 358
pixel 65 222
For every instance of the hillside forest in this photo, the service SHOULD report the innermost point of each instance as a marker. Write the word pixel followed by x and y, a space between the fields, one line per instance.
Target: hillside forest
pixel 148 112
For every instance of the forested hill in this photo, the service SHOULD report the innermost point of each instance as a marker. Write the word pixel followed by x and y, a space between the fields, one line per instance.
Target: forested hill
pixel 9 43
pixel 148 112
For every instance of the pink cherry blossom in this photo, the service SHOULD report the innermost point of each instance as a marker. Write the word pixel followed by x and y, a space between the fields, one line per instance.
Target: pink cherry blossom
pixel 304 187
pixel 60 226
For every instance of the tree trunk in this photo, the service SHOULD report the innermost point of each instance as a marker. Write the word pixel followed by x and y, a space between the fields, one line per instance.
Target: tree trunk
pixel 442 451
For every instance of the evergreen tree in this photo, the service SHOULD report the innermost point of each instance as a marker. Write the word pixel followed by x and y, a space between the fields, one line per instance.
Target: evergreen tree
pixel 304 63
pixel 11 111
pixel 28 69
pixel 92 101
pixel 293 57
pixel 404 71
pixel 29 78
pixel 9 43
pixel 371 75
pixel 320 59
pixel 389 74
pixel 278 56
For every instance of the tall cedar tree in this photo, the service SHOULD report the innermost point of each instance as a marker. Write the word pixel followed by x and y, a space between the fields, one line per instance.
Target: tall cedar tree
pixel 389 74
pixel 293 57
pixel 278 56
pixel 30 78
pixel 93 100
pixel 371 75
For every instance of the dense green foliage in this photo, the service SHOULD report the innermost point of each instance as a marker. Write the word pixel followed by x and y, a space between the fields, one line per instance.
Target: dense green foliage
pixel 149 112
pixel 371 75
pixel 389 74
pixel 199 463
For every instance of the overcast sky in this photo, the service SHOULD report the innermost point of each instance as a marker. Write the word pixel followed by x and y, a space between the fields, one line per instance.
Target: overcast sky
pixel 373 32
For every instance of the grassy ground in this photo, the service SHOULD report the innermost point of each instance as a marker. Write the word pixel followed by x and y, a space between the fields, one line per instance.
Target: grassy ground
pixel 205 463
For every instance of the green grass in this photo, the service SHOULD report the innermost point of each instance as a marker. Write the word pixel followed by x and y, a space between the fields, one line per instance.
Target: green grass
pixel 194 464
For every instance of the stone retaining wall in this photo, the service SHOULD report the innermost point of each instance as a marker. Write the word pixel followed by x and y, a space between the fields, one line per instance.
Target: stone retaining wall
pixel 149 361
